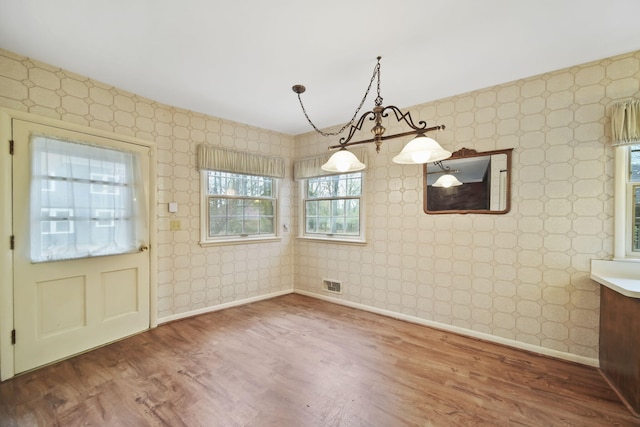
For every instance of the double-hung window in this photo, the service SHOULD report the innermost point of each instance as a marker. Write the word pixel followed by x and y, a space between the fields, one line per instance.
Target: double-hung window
pixel 239 196
pixel 240 206
pixel 625 126
pixel 332 207
pixel 633 197
pixel 627 233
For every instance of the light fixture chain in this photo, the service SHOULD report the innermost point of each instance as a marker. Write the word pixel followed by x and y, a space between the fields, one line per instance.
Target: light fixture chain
pixel 379 98
pixel 376 72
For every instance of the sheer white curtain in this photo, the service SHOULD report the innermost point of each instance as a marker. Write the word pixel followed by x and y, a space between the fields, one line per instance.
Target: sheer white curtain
pixel 85 200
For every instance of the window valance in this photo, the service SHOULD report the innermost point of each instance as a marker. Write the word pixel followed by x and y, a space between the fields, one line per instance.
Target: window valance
pixel 310 167
pixel 222 159
pixel 625 122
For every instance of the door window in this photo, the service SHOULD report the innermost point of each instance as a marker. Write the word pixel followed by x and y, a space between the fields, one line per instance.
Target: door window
pixel 85 200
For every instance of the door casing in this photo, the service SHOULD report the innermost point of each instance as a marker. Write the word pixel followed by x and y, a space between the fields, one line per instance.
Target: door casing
pixel 7 361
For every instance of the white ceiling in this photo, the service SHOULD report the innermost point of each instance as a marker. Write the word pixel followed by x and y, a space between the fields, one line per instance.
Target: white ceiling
pixel 238 59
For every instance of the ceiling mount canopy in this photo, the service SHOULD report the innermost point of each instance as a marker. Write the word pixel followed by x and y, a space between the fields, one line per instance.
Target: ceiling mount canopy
pixel 418 151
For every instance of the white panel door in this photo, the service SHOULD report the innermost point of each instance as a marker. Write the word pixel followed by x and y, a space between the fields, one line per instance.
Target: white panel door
pixel 66 307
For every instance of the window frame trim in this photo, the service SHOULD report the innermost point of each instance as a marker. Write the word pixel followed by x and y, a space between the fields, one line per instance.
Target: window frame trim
pixel 623 201
pixel 360 239
pixel 206 241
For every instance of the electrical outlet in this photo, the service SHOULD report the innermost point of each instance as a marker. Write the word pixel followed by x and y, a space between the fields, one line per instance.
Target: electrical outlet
pixel 174 225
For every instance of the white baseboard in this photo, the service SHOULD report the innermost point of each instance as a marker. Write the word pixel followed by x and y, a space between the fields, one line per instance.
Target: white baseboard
pixel 222 306
pixel 458 330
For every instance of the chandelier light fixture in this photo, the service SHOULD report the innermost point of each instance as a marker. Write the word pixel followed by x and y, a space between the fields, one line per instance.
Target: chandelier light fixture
pixel 419 150
pixel 448 179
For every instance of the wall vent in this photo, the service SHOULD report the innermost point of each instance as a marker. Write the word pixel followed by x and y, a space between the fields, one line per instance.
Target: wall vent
pixel 332 286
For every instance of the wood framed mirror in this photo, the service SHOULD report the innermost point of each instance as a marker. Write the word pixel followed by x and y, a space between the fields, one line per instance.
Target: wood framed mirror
pixel 483 184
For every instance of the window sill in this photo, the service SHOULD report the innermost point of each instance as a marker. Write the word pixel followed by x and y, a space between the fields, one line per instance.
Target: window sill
pixel 338 240
pixel 240 241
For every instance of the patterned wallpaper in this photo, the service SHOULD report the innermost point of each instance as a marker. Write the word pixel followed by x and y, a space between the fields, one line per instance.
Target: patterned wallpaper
pixel 190 277
pixel 522 276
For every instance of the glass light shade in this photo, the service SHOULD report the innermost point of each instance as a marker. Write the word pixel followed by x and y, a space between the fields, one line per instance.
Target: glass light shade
pixel 343 161
pixel 447 181
pixel 420 150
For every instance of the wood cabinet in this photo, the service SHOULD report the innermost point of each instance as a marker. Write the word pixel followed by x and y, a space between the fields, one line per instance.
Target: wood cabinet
pixel 620 345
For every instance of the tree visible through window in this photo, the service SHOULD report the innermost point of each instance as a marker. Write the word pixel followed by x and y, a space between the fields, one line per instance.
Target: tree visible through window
pixel 634 184
pixel 240 205
pixel 332 205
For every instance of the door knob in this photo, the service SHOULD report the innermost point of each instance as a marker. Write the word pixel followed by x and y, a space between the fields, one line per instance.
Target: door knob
pixel 144 248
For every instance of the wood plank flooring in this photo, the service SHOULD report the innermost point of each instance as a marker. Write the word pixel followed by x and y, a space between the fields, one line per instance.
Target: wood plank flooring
pixel 297 361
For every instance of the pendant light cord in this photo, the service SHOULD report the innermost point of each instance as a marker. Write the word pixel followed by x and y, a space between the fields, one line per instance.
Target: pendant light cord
pixel 376 72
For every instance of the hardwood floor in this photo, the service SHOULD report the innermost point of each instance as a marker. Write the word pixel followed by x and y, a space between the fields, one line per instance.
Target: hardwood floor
pixel 297 361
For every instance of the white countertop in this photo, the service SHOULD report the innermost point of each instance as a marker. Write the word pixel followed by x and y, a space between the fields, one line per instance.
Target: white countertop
pixel 620 276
